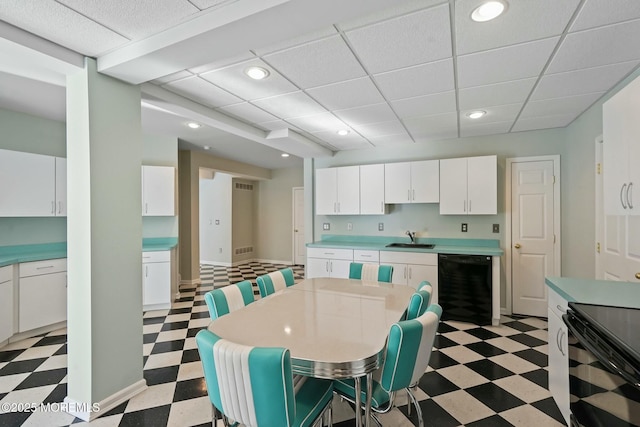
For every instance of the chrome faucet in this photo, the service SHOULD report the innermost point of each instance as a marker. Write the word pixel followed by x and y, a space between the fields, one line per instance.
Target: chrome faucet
pixel 412 235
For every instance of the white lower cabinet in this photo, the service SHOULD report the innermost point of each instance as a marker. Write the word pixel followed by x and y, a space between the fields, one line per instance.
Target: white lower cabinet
pixel 156 280
pixel 6 303
pixel 328 262
pixel 42 293
pixel 411 268
pixel 558 353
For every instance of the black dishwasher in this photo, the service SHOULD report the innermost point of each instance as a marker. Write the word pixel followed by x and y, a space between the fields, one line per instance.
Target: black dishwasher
pixel 464 287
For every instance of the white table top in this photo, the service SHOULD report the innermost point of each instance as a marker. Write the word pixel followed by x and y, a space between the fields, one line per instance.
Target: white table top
pixel 334 328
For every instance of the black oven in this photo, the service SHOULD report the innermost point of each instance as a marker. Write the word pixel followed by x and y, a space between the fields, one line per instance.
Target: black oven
pixel 604 365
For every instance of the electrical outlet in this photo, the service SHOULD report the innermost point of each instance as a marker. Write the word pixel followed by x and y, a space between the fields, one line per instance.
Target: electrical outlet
pixel 217 222
pixel 326 226
pixel 496 228
pixel 464 227
pixel 349 226
pixel 381 226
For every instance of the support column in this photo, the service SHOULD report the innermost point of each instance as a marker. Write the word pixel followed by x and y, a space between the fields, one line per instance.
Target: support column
pixel 104 242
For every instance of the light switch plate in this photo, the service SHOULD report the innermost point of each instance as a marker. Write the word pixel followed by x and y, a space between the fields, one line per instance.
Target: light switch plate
pixel 381 226
pixel 464 227
pixel 325 226
pixel 349 226
pixel 496 228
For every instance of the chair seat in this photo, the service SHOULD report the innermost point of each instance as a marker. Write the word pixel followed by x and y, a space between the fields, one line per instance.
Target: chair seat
pixel 346 387
pixel 308 406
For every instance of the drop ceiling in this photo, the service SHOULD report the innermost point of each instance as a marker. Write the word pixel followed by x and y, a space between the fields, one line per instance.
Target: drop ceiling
pixel 389 72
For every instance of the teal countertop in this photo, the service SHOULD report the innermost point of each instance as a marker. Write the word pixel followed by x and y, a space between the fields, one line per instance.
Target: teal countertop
pixel 490 247
pixel 605 292
pixel 38 252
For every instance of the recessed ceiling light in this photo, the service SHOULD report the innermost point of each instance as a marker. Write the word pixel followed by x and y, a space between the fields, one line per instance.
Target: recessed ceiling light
pixel 284 155
pixel 476 114
pixel 488 11
pixel 206 147
pixel 343 132
pixel 194 125
pixel 257 73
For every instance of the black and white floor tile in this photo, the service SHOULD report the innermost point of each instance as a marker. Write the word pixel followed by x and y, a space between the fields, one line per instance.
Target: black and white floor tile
pixel 478 376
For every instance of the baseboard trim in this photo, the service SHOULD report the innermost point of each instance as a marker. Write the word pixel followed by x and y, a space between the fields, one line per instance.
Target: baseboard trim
pixel 274 261
pixel 91 411
pixel 191 282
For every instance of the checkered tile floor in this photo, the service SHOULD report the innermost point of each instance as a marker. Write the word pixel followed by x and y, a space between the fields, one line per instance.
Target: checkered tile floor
pixel 478 376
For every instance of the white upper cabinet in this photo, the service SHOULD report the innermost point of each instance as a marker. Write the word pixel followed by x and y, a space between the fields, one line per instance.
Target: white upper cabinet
pixel 621 151
pixel 61 186
pixel 158 191
pixel 27 184
pixel 372 190
pixel 338 191
pixel 412 182
pixel 469 186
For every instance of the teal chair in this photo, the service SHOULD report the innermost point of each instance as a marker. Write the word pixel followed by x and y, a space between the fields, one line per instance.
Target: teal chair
pixel 407 355
pixel 374 272
pixel 254 386
pixel 419 301
pixel 276 281
pixel 223 301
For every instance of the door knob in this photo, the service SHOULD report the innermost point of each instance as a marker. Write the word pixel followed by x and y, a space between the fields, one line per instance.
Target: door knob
pixel 517 246
pixel 638 275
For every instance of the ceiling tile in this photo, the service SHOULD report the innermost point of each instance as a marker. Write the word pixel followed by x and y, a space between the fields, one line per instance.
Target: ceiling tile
pixel 427 105
pixel 305 38
pixel 368 114
pixel 43 18
pixel 205 4
pixel 380 129
pixel 202 91
pixel 338 141
pixel 399 8
pixel 543 122
pixel 296 104
pixel 499 113
pixel 429 128
pixel 560 106
pixel 171 77
pixel 467 129
pixel 591 48
pixel 380 141
pixel 523 21
pixel 422 79
pixel 318 123
pixel 595 13
pixel 134 19
pixel 578 82
pixel 348 94
pixel 510 92
pixel 316 63
pixel 234 80
pixel 412 39
pixel 504 64
pixel 248 113
pixel 222 63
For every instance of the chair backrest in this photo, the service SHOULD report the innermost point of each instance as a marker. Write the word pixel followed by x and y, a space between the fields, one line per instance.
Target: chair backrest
pixel 250 385
pixel 223 301
pixel 419 301
pixel 409 349
pixel 273 282
pixel 374 272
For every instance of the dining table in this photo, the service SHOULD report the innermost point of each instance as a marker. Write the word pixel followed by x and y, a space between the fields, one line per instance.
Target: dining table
pixel 333 327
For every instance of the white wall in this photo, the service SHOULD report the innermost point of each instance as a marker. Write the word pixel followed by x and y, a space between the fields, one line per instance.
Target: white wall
pixel 215 205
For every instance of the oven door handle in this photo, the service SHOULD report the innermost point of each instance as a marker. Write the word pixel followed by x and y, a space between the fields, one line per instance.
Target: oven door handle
pixel 585 341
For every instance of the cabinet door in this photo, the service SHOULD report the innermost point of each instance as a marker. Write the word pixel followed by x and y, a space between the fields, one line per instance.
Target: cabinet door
pixel 633 154
pixel 42 300
pixel 348 190
pixel 326 191
pixel 482 185
pixel 425 181
pixel 617 119
pixel 632 258
pixel 61 186
pixel 6 310
pixel 397 182
pixel 372 189
pixel 417 273
pixel 453 186
pixel 317 267
pixel 27 184
pixel 339 268
pixel 400 273
pixel 558 363
pixel 158 191
pixel 156 283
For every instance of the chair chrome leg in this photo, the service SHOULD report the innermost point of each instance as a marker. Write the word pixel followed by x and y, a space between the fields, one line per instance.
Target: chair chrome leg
pixel 418 409
pixel 376 419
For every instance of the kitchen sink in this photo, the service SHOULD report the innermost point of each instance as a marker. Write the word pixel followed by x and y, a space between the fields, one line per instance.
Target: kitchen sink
pixel 411 245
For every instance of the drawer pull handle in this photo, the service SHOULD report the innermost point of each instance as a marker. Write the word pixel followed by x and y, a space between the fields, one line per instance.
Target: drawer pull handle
pixel 559 308
pixel 42 268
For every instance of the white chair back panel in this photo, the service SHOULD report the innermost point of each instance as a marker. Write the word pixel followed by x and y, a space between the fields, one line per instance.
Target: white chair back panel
pixel 369 272
pixel 429 328
pixel 278 281
pixel 234 297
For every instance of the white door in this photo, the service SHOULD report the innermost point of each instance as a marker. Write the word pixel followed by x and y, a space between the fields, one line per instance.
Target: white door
pixel 299 248
pixel 532 235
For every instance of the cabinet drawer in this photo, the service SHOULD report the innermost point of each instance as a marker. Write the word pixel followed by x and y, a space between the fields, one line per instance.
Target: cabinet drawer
pixel 37 268
pixel 156 256
pixel 366 256
pixel 408 258
pixel 557 304
pixel 330 253
pixel 6 273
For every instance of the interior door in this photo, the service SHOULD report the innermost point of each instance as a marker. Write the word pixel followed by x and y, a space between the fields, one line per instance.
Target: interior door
pixel 299 248
pixel 533 241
